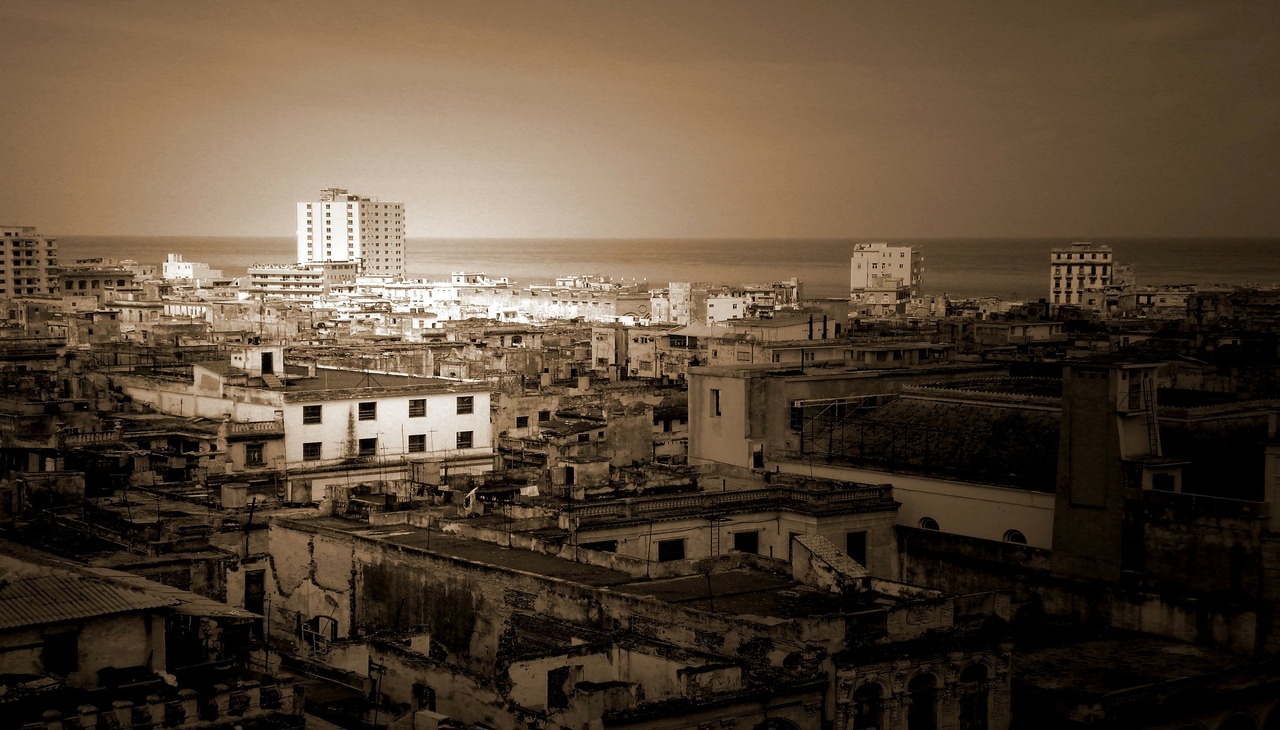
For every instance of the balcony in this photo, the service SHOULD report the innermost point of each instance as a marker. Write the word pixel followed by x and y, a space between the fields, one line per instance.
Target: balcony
pixel 255 429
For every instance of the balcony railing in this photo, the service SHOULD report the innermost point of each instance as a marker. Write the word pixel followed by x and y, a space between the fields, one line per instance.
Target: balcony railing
pixel 711 502
pixel 255 428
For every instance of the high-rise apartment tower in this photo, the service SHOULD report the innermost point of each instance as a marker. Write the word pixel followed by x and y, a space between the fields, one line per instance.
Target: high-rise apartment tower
pixel 345 227
pixel 28 262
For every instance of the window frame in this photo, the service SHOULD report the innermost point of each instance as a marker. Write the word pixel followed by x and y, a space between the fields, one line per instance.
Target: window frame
pixel 316 446
pixel 465 440
pixel 367 410
pixel 466 405
pixel 417 408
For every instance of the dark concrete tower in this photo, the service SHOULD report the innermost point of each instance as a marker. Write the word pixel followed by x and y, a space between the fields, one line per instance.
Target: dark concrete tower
pixel 1108 432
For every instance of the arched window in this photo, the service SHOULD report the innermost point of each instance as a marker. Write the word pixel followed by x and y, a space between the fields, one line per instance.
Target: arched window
pixel 1015 536
pixel 922 714
pixel 973 698
pixel 928 523
pixel 868 707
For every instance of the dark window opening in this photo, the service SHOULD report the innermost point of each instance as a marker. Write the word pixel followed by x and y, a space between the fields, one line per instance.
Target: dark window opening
pixel 61 653
pixel 670 550
pixel 855 546
pixel 747 542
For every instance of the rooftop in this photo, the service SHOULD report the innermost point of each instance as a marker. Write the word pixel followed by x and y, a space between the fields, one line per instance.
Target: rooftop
pixel 745 591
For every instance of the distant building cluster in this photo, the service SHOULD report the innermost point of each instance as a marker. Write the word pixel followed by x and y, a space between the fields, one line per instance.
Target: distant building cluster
pixel 326 493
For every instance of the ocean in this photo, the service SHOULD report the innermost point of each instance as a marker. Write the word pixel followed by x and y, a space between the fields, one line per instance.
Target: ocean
pixel 960 268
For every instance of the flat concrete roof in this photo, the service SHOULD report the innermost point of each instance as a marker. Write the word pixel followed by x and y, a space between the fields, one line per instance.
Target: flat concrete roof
pixel 746 591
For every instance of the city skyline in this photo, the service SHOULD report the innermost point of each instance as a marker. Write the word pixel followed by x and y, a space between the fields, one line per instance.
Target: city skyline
pixel 701 120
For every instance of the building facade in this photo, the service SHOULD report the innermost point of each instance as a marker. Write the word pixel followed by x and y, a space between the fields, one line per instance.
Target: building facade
pixel 28 262
pixel 1079 275
pixel 341 226
pixel 880 265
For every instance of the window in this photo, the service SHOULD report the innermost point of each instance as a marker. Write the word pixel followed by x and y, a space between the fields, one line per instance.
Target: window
pixel 583 437
pixel 1015 536
pixel 310 414
pixel 465 439
pixel 61 653
pixel 522 421
pixel 715 401
pixel 922 710
pixel 369 411
pixel 747 542
pixel 670 550
pixel 928 523
pixel 466 404
pixel 417 443
pixel 544 416
pixel 417 407
pixel 855 546
pixel 311 451
pixel 973 697
pixel 253 455
pixel 369 447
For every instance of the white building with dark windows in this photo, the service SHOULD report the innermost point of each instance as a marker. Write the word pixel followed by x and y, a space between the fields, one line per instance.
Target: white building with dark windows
pixel 1079 276
pixel 341 226
pixel 883 278
pixel 329 418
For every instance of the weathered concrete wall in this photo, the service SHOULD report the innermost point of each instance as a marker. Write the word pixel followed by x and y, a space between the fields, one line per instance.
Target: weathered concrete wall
pixel 973 510
pixel 465 605
pixel 1210 546
pixel 956 564
pixel 128 640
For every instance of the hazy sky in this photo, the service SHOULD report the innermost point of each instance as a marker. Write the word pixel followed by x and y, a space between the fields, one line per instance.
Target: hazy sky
pixel 648 119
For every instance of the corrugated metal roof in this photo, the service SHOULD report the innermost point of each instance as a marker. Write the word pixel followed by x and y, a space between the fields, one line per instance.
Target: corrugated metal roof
pixel 41 595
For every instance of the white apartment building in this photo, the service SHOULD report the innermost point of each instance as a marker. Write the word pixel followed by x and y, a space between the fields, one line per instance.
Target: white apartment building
pixel 301 282
pixel 341 226
pixel 28 262
pixel 879 266
pixel 1079 275
pixel 175 269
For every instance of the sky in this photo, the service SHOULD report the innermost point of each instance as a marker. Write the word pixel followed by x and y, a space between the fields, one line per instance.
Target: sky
pixel 622 119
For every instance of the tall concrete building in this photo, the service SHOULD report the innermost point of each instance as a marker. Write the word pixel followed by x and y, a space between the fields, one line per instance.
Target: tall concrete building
pixel 883 278
pixel 28 262
pixel 341 226
pixel 1079 275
